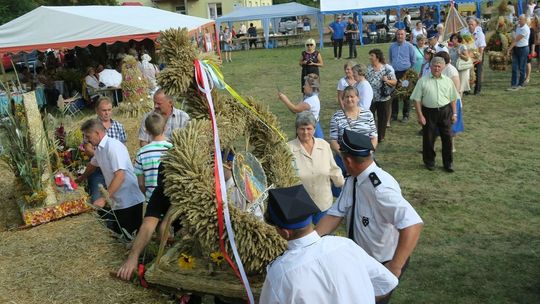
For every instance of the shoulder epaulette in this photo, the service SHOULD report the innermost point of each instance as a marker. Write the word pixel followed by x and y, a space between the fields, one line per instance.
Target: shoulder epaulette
pixel 375 181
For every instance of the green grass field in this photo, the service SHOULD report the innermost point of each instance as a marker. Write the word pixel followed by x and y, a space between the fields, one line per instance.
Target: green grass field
pixel 481 240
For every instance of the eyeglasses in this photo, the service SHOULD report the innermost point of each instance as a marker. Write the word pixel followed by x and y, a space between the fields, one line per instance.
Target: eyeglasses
pixel 309 44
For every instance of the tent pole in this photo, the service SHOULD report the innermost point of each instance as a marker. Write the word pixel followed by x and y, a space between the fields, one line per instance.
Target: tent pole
pixel 360 28
pixel 320 25
pixel 4 75
pixel 438 13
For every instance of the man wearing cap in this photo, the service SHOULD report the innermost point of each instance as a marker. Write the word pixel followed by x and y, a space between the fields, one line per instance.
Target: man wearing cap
pixel 402 57
pixel 330 269
pixel 435 96
pixel 378 218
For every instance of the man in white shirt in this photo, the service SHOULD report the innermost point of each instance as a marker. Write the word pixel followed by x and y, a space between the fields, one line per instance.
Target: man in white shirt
pixel 520 50
pixel 317 269
pixel 378 218
pixel 480 43
pixel 113 158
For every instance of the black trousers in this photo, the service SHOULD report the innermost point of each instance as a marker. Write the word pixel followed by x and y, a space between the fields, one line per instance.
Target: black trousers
pixel 352 48
pixel 338 46
pixel 129 219
pixel 395 101
pixel 253 43
pixel 379 108
pixel 386 299
pixel 437 120
pixel 478 70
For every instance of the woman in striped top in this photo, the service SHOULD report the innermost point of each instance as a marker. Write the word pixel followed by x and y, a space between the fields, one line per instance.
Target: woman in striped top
pixel 353 118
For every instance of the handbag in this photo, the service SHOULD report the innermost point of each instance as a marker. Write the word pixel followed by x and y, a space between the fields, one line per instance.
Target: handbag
pixel 385 91
pixel 462 65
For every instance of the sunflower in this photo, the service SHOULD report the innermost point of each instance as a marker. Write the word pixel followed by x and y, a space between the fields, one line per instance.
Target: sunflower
pixel 217 257
pixel 186 261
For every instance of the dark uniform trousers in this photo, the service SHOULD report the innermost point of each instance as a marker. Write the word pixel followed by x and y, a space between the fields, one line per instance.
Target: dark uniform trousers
pixel 478 70
pixel 437 119
pixel 386 299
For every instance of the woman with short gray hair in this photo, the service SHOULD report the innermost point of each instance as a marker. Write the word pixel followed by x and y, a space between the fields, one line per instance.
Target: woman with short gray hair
pixel 347 80
pixel 314 163
pixel 365 92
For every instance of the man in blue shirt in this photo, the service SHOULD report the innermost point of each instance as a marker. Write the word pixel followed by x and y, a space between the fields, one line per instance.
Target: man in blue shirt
pixel 338 32
pixel 402 58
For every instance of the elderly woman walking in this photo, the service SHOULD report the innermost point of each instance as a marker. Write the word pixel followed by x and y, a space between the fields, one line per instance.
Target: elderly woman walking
pixel 365 92
pixel 351 117
pixel 314 163
pixel 345 81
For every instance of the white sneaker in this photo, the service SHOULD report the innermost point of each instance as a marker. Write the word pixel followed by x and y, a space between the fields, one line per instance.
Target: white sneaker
pixel 512 89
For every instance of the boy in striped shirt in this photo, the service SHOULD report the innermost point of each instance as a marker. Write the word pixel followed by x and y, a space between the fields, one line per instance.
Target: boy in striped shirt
pixel 149 156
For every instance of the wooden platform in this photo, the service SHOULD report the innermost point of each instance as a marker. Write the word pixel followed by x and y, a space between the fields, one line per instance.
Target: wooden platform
pixel 201 279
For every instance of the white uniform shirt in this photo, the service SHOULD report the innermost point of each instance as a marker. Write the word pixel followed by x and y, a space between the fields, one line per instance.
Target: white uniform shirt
pixel 325 270
pixel 314 105
pixel 365 92
pixel 379 212
pixel 111 155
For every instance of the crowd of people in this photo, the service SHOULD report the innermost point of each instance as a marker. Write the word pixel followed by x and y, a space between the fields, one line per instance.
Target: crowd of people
pixel 381 225
pixel 99 77
pixel 378 218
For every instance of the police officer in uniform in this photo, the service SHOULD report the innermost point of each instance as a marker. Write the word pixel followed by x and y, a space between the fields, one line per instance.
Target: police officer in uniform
pixel 323 270
pixel 378 218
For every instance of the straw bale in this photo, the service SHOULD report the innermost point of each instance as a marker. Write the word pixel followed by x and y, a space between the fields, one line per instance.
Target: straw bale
pixel 66 261
pixel 10 216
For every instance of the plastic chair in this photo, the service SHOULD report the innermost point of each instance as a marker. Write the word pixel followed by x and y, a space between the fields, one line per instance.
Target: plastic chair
pixel 69 106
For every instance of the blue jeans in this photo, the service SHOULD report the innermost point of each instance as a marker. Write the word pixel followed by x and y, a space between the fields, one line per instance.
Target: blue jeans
pixel 519 65
pixel 94 180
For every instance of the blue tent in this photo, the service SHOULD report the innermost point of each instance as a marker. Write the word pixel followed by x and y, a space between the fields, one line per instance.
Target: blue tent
pixel 272 14
pixel 360 6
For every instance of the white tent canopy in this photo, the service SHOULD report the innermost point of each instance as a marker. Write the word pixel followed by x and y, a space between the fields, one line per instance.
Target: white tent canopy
pixel 273 12
pixel 71 26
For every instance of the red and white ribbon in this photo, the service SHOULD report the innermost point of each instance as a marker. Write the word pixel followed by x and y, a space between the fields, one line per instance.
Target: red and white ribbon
pixel 223 215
